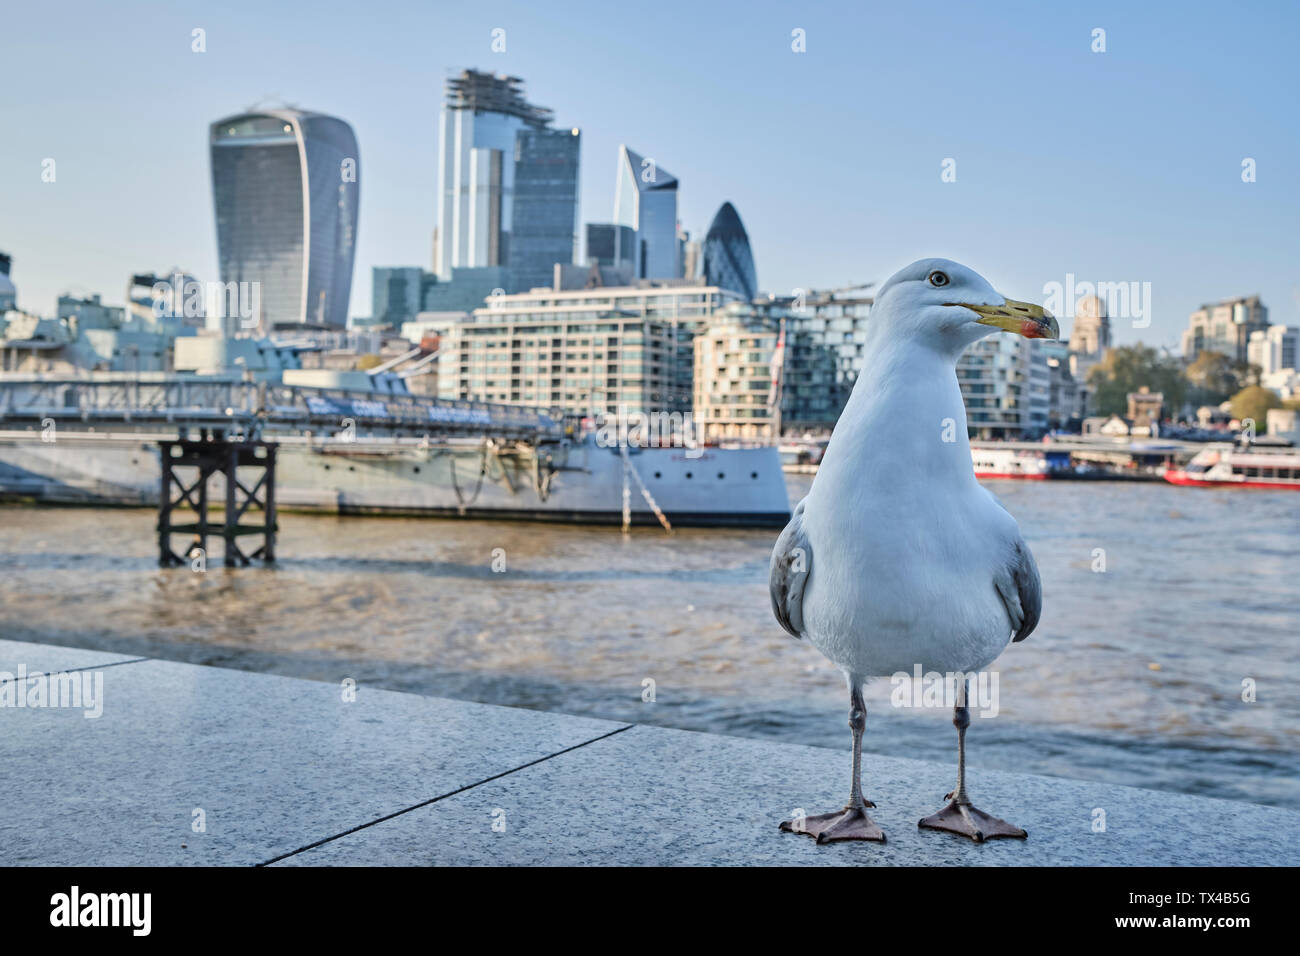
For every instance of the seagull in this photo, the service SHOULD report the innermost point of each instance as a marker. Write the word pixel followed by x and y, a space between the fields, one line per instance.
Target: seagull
pixel 898 557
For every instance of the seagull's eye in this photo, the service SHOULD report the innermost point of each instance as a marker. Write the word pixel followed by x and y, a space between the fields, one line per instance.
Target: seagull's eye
pixel 938 279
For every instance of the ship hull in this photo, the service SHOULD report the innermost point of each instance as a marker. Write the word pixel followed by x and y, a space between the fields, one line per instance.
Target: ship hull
pixel 1013 476
pixel 576 483
pixel 1187 481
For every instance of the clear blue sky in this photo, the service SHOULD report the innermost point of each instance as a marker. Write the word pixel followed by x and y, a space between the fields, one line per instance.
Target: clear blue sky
pixel 1124 165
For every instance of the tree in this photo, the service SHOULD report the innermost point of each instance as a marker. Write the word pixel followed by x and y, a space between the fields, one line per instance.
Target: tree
pixel 1254 402
pixel 1214 376
pixel 1126 369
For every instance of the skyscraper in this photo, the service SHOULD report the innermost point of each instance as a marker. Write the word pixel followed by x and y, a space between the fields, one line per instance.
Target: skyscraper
pixel 692 253
pixel 286 187
pixel 611 245
pixel 505 178
pixel 645 200
pixel 544 224
pixel 728 261
pixel 397 293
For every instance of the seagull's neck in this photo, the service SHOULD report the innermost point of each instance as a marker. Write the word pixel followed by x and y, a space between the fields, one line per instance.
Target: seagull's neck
pixel 904 420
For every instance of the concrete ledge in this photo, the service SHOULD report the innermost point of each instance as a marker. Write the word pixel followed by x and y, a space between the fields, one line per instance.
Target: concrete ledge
pixel 273 763
pixel 286 771
pixel 657 796
pixel 49 658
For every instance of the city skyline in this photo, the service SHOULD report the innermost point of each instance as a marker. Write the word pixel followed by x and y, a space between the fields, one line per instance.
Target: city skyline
pixel 1087 173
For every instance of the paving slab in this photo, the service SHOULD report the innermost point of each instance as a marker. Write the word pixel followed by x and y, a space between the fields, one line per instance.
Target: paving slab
pixel 197 765
pixel 271 763
pixel 50 658
pixel 653 796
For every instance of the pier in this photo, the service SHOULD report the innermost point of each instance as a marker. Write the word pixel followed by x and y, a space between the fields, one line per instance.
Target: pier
pixel 216 454
pixel 193 765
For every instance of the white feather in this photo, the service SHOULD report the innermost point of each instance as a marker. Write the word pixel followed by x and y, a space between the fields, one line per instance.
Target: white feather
pixel 905 542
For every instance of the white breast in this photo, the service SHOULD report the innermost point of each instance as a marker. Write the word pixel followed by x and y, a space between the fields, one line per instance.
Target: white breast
pixel 904 541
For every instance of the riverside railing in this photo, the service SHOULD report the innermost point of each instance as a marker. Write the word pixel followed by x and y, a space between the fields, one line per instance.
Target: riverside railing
pixel 253 406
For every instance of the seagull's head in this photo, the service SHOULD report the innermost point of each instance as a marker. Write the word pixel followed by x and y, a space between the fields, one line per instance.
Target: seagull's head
pixel 947 305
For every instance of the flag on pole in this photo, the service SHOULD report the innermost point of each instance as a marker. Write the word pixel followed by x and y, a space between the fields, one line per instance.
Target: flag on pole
pixel 778 367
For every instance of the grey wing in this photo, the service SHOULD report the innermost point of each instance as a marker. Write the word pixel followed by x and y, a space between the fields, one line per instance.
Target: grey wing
pixel 788 573
pixel 1021 590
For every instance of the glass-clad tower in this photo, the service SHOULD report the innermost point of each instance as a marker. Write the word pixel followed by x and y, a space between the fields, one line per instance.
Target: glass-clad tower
pixel 397 293
pixel 507 184
pixel 286 187
pixel 728 261
pixel 609 244
pixel 544 223
pixel 645 200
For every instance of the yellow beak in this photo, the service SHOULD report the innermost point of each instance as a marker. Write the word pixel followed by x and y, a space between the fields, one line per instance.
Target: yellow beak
pixel 1023 318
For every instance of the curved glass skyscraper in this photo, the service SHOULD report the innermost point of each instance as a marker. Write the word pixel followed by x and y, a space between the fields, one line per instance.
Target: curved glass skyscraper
pixel 728 262
pixel 286 187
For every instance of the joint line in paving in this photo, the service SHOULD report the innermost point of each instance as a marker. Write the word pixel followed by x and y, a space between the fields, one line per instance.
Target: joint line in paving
pixel 73 670
pixel 443 796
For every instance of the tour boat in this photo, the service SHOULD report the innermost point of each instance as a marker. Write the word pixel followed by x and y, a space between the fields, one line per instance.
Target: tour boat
pixel 1228 467
pixel 1009 463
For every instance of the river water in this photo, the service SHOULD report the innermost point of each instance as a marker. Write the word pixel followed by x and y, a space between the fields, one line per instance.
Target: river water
pixel 1134 675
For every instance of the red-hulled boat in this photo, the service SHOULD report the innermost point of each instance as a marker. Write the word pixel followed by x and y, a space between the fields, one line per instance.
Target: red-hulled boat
pixel 1228 467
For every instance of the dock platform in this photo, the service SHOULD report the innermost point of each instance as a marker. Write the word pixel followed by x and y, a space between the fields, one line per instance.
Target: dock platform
pixel 194 765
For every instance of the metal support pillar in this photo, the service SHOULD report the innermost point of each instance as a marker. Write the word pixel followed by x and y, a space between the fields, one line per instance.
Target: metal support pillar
pixel 182 489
